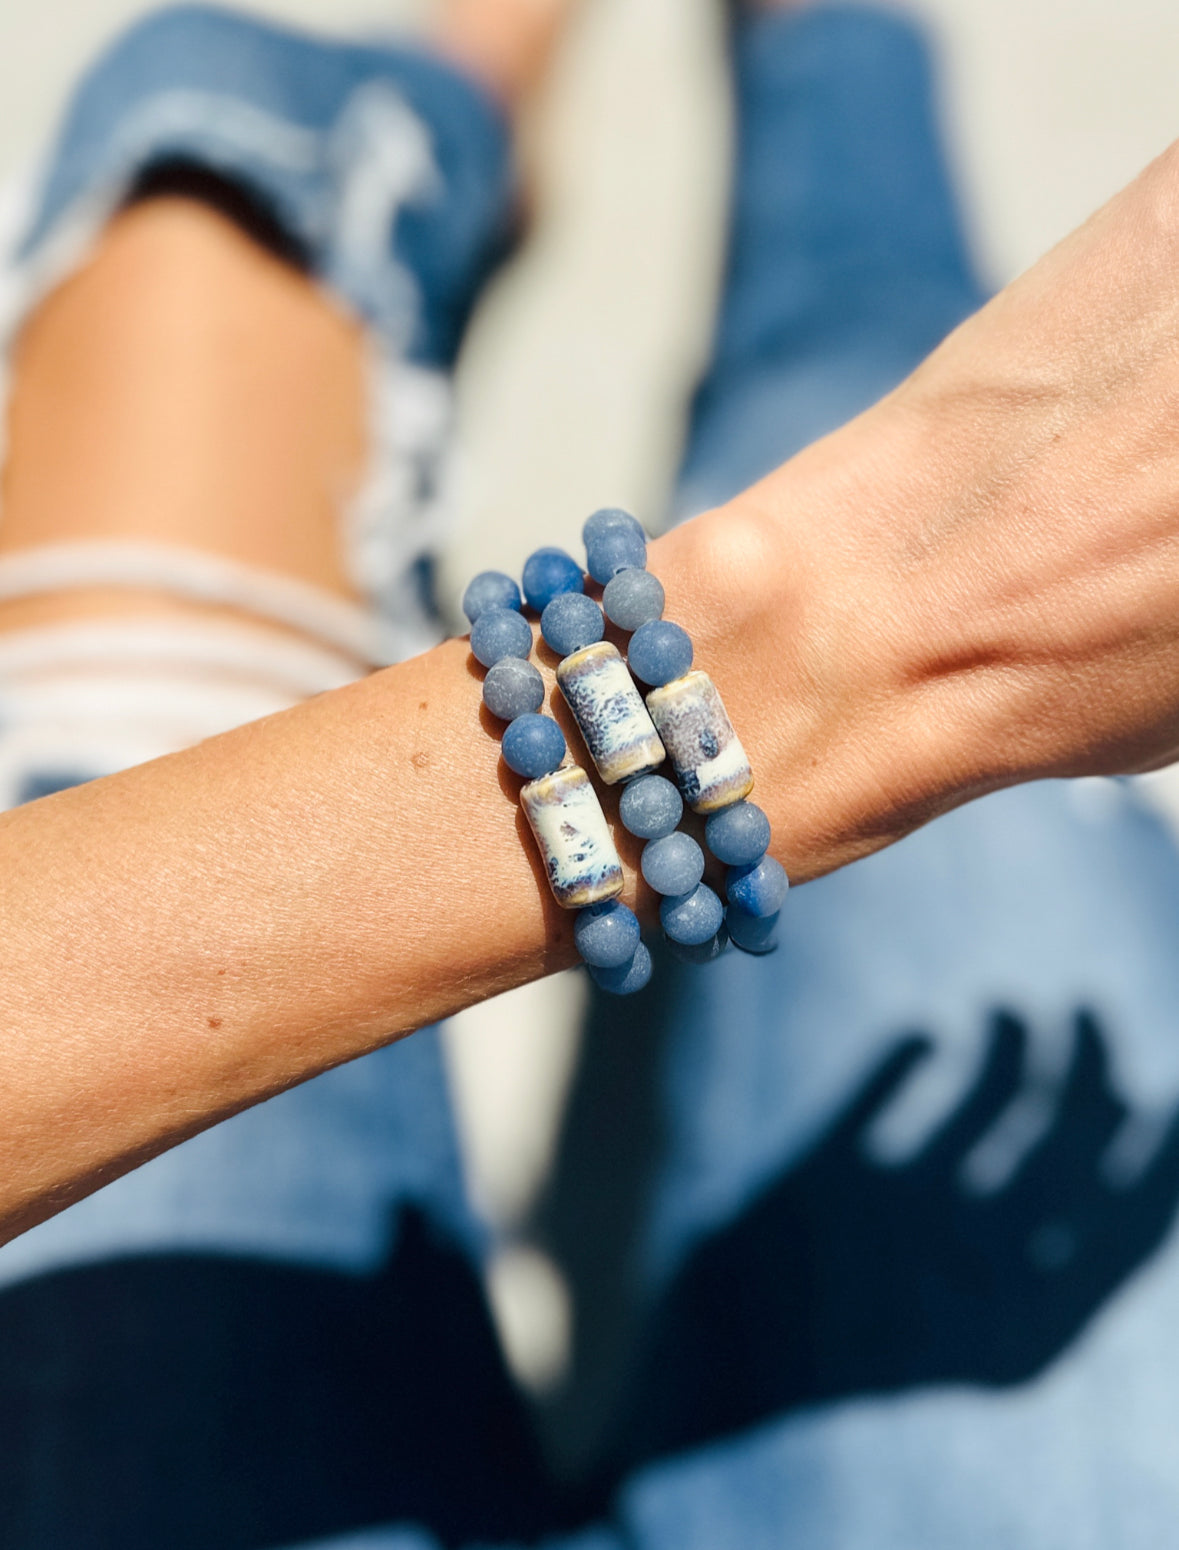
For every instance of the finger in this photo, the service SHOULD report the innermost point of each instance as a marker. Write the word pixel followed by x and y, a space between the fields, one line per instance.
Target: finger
pixel 1155 1193
pixel 994 1088
pixel 880 1087
pixel 1088 1111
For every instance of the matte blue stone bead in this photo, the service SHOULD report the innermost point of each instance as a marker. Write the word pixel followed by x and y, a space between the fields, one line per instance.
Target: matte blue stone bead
pixel 632 598
pixel 701 952
pixel 512 687
pixel 752 933
pixel 650 807
pixel 572 621
pixel 692 918
pixel 610 519
pixel 630 977
pixel 617 549
pixel 739 834
pixel 548 573
pixel 490 589
pixel 758 889
pixel 607 935
pixel 533 745
pixel 659 652
pixel 674 864
pixel 499 633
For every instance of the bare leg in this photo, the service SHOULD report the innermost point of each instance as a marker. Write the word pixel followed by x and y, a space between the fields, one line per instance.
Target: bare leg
pixel 185 387
pixel 189 387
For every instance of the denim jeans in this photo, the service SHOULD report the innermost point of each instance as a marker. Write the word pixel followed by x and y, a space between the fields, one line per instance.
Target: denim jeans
pixel 870 1239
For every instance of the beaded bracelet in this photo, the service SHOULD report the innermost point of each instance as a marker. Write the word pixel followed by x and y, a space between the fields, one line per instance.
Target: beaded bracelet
pixel 627 740
pixel 558 800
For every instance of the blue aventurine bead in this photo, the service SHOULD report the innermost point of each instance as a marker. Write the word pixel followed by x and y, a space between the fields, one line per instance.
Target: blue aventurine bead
pixel 692 918
pixel 490 589
pixel 758 889
pixel 548 573
pixel 512 687
pixel 632 598
pixel 650 807
pixel 702 952
pixel 499 633
pixel 572 621
pixel 617 549
pixel 659 652
pixel 607 520
pixel 751 933
pixel 607 935
pixel 533 745
pixel 739 834
pixel 630 977
pixel 674 864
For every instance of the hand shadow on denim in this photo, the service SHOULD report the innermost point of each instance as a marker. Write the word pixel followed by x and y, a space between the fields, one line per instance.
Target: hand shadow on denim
pixel 848 1277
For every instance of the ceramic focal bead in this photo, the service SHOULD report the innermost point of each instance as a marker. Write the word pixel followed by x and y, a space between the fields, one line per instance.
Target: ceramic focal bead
pixel 710 765
pixel 573 838
pixel 609 710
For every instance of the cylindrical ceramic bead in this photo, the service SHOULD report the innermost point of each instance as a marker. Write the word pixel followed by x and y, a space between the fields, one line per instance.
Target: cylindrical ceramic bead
pixel 571 834
pixel 609 710
pixel 711 767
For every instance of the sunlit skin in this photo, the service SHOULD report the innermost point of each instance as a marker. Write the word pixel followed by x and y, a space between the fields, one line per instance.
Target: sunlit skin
pixel 975 583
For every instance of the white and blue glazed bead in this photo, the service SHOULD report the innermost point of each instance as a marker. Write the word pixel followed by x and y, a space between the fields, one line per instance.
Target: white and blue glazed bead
pixel 610 713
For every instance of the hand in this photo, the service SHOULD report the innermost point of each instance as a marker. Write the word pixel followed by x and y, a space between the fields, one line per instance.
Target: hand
pixel 976 583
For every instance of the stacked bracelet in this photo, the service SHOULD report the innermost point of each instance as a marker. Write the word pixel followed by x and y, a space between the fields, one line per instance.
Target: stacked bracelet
pixel 628 739
pixel 558 800
pixel 712 773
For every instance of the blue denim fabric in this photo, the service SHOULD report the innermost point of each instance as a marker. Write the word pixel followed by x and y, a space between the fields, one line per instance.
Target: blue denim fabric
pixel 388 173
pixel 847 262
pixel 856 1266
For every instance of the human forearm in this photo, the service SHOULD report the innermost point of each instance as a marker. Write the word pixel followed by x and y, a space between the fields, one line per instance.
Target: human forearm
pixel 186 937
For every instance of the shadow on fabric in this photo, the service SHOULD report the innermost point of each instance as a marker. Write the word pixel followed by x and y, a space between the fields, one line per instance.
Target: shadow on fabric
pixel 197 1401
pixel 844 1276
pixel 232 1404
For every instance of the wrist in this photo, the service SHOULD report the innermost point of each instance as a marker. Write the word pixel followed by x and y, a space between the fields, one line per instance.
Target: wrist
pixel 802 605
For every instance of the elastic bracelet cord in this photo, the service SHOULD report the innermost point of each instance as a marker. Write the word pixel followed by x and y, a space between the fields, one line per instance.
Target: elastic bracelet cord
pixel 628 739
